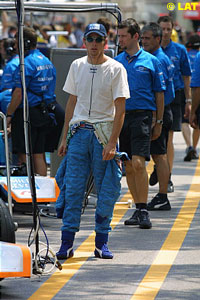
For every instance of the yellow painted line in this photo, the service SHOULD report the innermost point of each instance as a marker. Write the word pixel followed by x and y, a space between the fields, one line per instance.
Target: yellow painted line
pixel 57 281
pixel 155 276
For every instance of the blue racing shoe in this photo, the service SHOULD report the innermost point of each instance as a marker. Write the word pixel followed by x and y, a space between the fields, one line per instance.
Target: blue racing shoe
pixel 66 251
pixel 104 252
pixel 66 248
pixel 101 248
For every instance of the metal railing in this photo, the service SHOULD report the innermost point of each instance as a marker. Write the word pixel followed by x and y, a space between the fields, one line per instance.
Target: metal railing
pixel 7 162
pixel 64 7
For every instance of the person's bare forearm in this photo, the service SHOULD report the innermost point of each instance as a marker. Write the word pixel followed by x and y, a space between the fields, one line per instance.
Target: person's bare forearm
pixel 15 101
pixel 159 105
pixel 159 115
pixel 110 149
pixel 69 111
pixel 187 89
pixel 118 120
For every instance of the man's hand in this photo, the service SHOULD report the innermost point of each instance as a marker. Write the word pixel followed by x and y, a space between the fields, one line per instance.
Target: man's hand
pixel 156 131
pixel 187 110
pixel 62 150
pixel 8 121
pixel 193 120
pixel 109 151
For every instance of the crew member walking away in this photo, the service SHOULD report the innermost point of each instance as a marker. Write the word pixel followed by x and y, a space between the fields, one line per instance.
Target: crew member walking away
pixel 195 85
pixel 151 37
pixel 147 86
pixel 178 55
pixel 193 45
pixel 94 117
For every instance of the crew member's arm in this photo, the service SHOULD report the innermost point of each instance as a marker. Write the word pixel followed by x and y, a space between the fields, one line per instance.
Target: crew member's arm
pixel 14 103
pixel 187 91
pixel 159 115
pixel 195 105
pixel 69 111
pixel 110 148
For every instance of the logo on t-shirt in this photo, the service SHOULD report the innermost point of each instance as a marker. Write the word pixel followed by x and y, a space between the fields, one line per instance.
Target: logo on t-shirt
pixel 173 58
pixel 142 69
pixel 93 70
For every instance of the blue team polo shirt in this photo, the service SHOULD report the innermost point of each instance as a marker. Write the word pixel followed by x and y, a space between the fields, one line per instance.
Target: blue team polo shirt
pixel 145 77
pixel 192 54
pixel 168 73
pixel 7 80
pixel 40 76
pixel 178 55
pixel 195 81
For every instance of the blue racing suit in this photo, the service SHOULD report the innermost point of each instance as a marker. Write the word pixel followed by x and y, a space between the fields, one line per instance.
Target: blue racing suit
pixel 83 155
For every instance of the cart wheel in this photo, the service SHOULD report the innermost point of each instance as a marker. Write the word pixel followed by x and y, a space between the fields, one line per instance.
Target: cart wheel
pixel 7 233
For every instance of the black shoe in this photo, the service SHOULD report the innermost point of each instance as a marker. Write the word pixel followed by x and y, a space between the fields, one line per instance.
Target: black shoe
pixel 189 153
pixel 158 204
pixel 195 156
pixel 144 220
pixel 134 219
pixel 170 188
pixel 153 178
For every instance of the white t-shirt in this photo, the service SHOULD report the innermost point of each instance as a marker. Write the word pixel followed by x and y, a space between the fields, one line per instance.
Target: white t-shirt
pixel 96 88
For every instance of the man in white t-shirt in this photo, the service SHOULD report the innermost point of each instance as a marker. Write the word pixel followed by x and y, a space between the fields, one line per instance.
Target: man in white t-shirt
pixel 95 110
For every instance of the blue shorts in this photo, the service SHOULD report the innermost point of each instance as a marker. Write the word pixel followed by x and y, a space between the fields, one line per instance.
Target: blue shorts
pixel 135 136
pixel 177 110
pixel 159 146
pixel 18 139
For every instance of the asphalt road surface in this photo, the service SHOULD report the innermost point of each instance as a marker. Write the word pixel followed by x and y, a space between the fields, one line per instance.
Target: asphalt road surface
pixel 160 263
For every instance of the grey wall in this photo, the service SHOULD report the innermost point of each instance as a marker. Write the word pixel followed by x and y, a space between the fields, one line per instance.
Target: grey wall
pixel 62 59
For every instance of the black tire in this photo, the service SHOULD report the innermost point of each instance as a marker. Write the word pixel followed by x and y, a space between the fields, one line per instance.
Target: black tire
pixel 7 227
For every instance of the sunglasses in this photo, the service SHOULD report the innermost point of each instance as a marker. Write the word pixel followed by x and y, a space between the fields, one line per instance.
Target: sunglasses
pixel 97 40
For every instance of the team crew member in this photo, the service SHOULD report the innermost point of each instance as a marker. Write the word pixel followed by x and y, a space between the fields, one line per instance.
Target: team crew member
pixel 151 37
pixel 11 59
pixel 95 110
pixel 40 80
pixel 178 55
pixel 195 85
pixel 12 62
pixel 146 84
pixel 192 46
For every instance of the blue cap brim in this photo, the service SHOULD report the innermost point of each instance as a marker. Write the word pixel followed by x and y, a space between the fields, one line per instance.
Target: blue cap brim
pixel 95 31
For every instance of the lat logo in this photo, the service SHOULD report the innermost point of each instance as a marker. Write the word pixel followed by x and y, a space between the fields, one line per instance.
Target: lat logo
pixel 183 6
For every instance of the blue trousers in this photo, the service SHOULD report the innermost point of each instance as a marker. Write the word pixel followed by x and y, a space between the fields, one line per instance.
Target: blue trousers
pixel 83 155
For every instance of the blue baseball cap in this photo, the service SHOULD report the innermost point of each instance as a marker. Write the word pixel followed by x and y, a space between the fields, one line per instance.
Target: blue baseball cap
pixel 95 28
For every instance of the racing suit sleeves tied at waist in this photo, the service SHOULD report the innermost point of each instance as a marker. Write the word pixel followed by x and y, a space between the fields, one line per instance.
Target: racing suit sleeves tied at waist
pixel 102 130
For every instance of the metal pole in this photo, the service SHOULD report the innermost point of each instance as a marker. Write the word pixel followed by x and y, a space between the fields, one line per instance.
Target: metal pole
pixel 29 160
pixel 7 162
